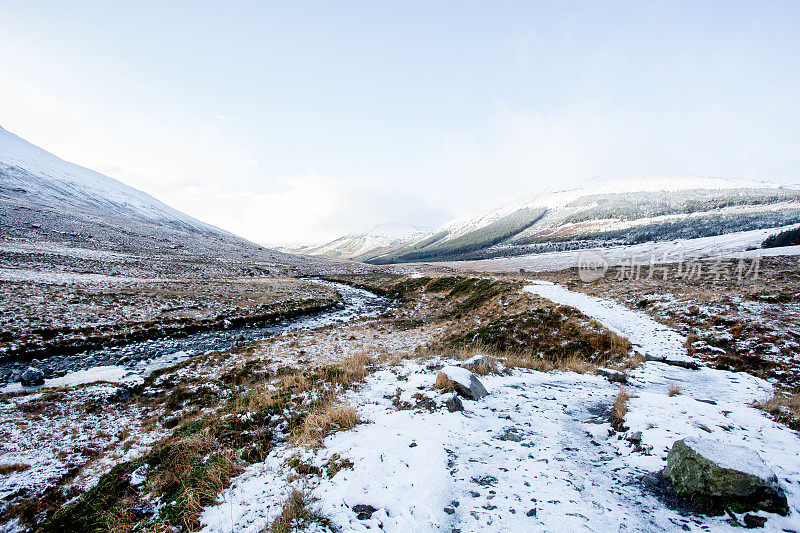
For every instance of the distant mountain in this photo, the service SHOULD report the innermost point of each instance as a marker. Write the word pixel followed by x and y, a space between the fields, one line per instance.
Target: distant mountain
pixel 364 246
pixel 44 199
pixel 608 212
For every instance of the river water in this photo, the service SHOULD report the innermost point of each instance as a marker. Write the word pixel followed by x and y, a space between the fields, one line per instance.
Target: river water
pixel 130 363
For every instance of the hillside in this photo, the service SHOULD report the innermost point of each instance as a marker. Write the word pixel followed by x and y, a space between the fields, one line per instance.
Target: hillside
pixel 609 212
pixel 71 214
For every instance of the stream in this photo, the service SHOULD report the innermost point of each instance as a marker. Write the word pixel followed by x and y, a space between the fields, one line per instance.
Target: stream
pixel 131 363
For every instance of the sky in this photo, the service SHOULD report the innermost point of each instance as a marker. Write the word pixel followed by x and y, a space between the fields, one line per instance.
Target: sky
pixel 297 122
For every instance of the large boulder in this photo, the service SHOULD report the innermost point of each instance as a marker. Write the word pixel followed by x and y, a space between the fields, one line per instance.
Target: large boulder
pixel 462 381
pixel 32 376
pixel 478 364
pixel 718 476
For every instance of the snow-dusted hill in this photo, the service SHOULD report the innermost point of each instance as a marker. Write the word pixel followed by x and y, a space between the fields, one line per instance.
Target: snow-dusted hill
pixel 50 206
pixel 31 174
pixel 378 240
pixel 609 211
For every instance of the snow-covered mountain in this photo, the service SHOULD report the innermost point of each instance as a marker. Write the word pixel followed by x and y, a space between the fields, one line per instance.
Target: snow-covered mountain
pixel 608 211
pixel 374 242
pixel 44 199
pixel 30 172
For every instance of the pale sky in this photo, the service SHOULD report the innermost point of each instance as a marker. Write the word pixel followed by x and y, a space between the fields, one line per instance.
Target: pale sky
pixel 300 121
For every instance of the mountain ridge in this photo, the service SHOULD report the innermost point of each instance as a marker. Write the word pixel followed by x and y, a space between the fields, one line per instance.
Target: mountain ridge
pixel 608 210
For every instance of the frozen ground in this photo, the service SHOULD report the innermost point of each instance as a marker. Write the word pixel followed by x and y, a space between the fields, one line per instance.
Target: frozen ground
pixel 537 454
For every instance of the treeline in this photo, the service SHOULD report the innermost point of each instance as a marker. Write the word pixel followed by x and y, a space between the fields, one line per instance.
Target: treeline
pixel 634 206
pixel 789 237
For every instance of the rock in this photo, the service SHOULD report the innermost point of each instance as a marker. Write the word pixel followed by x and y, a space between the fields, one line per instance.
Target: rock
pixel 531 512
pixel 478 364
pixel 752 521
pixel 635 437
pixel 122 394
pixel 716 476
pixel 363 512
pixel 613 376
pixel 464 382
pixel 454 403
pixel 511 435
pixel 691 365
pixel 139 475
pixel 449 510
pixel 32 376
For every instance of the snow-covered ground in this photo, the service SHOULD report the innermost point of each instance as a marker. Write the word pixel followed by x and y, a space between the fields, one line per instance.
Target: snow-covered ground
pixel 537 454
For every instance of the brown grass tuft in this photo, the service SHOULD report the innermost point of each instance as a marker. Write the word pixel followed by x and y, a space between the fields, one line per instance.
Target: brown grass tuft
pixel 784 407
pixel 443 383
pixel 295 515
pixel 316 426
pixel 674 390
pixel 619 409
pixel 15 467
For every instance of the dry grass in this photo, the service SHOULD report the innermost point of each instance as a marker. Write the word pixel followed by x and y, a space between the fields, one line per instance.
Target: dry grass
pixel 572 363
pixel 259 397
pixel 357 366
pixel 608 341
pixel 295 515
pixel 633 360
pixel 199 486
pixel 674 390
pixel 296 383
pixel 349 370
pixel 785 407
pixel 216 478
pixel 332 417
pixel 517 360
pixel 11 468
pixel 444 383
pixel 619 409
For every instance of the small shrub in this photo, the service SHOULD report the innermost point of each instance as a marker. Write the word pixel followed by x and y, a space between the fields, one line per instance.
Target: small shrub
pixel 674 390
pixel 785 238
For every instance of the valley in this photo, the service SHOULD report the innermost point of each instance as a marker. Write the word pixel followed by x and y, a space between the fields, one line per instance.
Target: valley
pixel 159 374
